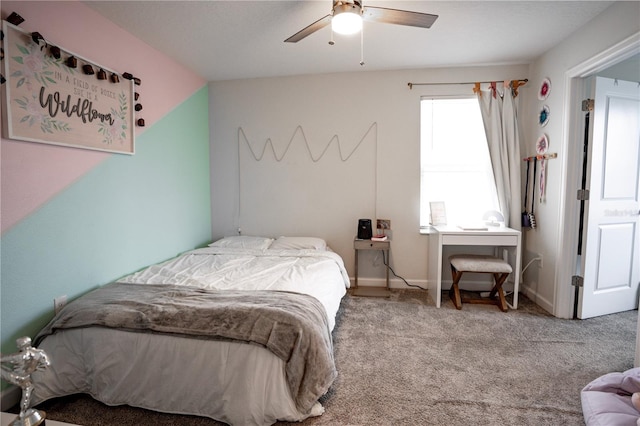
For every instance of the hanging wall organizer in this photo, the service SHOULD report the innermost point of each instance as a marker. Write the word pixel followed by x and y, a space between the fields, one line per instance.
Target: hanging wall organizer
pixel 542 156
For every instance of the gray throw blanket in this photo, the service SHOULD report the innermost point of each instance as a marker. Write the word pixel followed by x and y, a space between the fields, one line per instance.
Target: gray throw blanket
pixel 291 325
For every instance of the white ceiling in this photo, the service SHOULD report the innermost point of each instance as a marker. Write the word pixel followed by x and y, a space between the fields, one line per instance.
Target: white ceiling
pixel 222 40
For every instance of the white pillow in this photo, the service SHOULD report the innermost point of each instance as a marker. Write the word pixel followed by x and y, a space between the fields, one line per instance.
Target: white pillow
pixel 243 242
pixel 298 243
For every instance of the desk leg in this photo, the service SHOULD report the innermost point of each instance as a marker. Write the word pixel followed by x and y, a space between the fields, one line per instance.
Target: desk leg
pixel 439 276
pixel 516 266
pixel 516 278
pixel 434 282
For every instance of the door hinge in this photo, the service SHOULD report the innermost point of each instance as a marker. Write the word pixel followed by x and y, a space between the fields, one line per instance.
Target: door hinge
pixel 583 194
pixel 587 105
pixel 577 281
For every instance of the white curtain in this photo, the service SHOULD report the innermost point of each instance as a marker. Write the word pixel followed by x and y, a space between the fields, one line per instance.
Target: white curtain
pixel 499 113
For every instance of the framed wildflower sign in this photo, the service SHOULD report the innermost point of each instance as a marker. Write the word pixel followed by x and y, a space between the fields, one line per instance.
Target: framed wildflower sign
pixel 56 97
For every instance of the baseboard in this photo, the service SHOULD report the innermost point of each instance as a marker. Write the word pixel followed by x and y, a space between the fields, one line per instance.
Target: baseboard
pixel 10 397
pixel 397 283
pixel 536 298
pixel 471 285
pixel 475 285
pixel 394 283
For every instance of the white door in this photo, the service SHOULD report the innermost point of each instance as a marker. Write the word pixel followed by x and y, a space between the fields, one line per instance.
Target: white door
pixel 611 261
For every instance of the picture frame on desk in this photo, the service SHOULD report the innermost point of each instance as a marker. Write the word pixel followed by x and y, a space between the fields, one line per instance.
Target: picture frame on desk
pixel 438 213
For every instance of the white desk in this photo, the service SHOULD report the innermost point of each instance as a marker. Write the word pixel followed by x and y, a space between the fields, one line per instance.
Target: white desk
pixel 440 236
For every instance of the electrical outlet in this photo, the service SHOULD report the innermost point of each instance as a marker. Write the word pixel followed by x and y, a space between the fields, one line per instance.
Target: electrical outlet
pixel 58 303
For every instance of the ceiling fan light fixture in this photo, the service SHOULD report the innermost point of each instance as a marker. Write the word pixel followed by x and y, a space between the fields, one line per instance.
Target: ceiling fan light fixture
pixel 347 16
pixel 347 19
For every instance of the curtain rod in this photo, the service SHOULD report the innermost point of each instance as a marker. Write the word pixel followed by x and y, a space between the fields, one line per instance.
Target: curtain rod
pixel 521 82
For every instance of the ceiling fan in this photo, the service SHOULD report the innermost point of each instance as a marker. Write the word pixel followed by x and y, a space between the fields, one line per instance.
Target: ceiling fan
pixel 346 18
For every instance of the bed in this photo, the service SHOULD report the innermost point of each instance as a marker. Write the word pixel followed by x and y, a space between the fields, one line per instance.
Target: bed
pixel 239 331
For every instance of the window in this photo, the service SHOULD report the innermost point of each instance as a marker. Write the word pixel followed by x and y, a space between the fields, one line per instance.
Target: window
pixel 454 159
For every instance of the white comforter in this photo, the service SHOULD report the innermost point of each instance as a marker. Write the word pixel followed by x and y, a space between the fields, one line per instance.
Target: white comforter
pixel 233 382
pixel 320 274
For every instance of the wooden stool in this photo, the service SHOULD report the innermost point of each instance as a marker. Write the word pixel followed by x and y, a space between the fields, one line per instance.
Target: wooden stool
pixel 499 268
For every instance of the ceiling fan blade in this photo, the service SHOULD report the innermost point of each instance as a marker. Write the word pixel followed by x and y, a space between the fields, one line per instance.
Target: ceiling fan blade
pixel 398 17
pixel 319 24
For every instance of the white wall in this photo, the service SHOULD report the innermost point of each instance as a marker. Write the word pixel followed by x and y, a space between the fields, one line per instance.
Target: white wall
pixel 546 286
pixel 375 112
pixel 382 178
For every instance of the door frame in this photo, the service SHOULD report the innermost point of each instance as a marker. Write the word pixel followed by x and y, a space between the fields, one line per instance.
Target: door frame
pixel 571 153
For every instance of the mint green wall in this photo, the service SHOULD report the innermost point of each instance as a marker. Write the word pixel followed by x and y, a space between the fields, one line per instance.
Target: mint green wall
pixel 126 213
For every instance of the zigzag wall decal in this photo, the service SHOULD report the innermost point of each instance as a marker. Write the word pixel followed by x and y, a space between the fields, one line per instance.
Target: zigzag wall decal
pixel 299 129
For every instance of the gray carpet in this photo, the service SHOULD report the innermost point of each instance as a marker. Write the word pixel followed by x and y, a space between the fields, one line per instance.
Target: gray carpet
pixel 401 361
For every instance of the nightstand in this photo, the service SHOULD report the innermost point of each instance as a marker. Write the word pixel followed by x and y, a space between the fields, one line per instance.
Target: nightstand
pixel 371 245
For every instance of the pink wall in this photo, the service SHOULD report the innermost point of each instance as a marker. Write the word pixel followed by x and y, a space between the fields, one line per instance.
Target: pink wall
pixel 32 173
